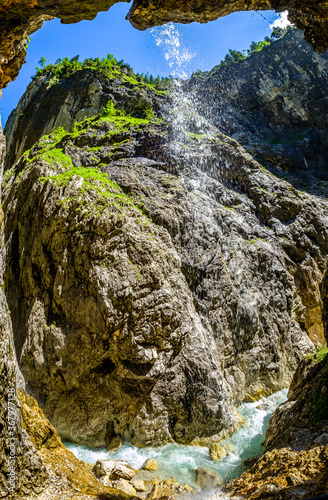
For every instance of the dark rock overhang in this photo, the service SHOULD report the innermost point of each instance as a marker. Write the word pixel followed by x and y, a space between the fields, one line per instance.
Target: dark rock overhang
pixel 20 18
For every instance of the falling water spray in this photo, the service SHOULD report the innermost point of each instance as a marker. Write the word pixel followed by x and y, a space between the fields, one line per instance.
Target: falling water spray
pixel 180 113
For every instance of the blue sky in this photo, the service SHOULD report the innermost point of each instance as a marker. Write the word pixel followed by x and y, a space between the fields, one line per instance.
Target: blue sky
pixel 204 44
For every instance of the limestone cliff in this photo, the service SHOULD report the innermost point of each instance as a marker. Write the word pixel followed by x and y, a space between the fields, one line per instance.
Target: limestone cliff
pixel 275 104
pixel 33 461
pixel 19 461
pixel 157 276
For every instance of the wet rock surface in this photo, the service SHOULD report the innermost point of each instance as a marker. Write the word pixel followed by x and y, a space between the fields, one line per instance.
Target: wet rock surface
pixel 275 104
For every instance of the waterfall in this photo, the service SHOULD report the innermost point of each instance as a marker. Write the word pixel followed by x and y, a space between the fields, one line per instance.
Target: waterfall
pixel 169 40
pixel 181 111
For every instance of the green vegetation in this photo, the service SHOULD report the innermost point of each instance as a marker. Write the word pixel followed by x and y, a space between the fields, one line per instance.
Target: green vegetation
pixel 236 56
pixel 56 155
pixel 320 405
pixel 108 192
pixel 193 135
pixel 109 66
pixel 319 408
pixel 321 355
pixel 149 114
pixel 89 175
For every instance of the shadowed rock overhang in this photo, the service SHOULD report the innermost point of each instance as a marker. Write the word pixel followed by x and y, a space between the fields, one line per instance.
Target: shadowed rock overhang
pixel 20 18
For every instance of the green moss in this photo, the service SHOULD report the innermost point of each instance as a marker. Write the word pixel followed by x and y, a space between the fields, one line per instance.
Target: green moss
pixel 320 405
pixel 89 175
pixel 56 155
pixel 200 137
pixel 123 121
pixel 56 135
pixel 320 355
pixel 97 181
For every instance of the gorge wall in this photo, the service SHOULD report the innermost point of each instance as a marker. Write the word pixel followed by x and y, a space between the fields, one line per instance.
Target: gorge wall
pixel 156 276
pixel 274 103
pixel 237 280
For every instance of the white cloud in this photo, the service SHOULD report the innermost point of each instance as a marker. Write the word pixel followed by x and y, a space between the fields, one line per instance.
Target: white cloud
pixel 281 21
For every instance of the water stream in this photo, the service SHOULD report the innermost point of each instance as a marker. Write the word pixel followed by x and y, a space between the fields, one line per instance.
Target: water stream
pixel 179 462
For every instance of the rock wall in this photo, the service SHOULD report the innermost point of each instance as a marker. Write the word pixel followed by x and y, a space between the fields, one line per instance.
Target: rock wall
pixel 21 468
pixel 295 463
pixel 192 276
pixel 274 103
pixel 33 461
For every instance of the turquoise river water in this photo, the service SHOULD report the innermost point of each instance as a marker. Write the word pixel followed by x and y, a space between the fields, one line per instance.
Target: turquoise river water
pixel 180 462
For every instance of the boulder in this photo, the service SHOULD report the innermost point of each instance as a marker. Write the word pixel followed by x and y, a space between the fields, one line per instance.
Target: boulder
pixel 217 452
pixel 111 470
pixel 206 478
pixel 115 444
pixel 139 485
pixel 122 471
pixel 104 468
pixel 150 465
pixel 124 486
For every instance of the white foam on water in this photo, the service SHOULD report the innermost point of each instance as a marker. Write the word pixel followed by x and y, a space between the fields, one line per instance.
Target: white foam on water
pixel 180 461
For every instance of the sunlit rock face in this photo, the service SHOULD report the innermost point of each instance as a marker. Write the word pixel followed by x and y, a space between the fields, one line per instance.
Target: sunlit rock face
pixel 20 18
pixel 274 103
pixel 82 96
pixel 150 304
